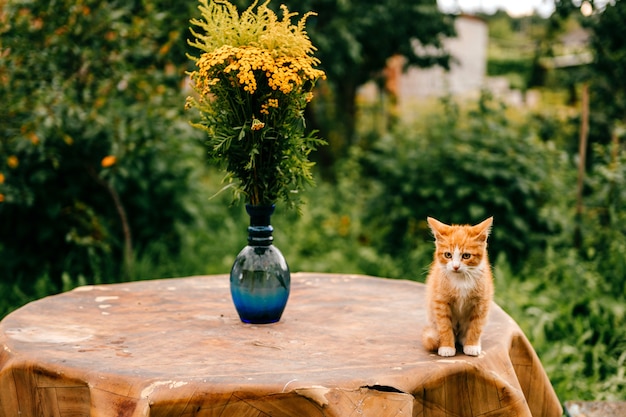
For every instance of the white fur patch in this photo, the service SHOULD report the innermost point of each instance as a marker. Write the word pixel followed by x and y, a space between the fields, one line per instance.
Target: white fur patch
pixel 465 280
pixel 471 350
pixel 446 351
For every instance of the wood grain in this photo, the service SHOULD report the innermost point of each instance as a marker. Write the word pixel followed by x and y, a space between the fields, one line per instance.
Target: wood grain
pixel 346 345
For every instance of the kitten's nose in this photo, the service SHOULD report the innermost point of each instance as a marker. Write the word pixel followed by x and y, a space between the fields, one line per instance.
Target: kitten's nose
pixel 456 267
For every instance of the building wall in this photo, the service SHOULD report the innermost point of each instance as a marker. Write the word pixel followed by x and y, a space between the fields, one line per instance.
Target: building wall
pixel 467 71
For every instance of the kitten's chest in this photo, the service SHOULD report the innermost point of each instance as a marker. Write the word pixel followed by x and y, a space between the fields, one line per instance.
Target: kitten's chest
pixel 462 305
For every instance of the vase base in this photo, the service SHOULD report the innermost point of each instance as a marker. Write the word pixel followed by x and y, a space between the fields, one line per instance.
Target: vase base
pixel 259 321
pixel 253 315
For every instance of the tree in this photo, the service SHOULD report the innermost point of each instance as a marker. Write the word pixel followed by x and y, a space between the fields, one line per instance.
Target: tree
pixel 92 110
pixel 606 75
pixel 609 67
pixel 355 40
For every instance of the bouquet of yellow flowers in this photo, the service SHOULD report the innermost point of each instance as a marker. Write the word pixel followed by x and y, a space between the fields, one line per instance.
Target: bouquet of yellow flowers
pixel 253 80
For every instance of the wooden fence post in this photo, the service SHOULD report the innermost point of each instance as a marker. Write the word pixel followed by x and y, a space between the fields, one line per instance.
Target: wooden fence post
pixel 582 155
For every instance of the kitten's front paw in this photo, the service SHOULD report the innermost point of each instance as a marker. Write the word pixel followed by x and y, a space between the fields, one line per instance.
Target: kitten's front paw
pixel 446 351
pixel 471 350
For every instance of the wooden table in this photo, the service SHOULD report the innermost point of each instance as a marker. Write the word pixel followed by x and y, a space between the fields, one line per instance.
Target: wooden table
pixel 346 346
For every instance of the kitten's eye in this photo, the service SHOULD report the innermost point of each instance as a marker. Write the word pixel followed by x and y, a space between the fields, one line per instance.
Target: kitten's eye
pixel 466 256
pixel 447 255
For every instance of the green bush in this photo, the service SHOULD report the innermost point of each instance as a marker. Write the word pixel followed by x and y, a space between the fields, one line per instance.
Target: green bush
pixel 92 114
pixel 505 66
pixel 462 168
pixel 330 235
pixel 603 224
pixel 572 322
pixel 571 299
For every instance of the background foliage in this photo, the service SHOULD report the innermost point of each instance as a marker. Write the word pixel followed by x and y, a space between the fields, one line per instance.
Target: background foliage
pixel 464 166
pixel 82 80
pixel 86 80
pixel 351 54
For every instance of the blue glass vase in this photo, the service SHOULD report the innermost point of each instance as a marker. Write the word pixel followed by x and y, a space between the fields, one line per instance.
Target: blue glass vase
pixel 260 278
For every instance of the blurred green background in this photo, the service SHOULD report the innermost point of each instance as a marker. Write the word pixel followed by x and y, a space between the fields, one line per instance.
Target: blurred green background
pixel 103 180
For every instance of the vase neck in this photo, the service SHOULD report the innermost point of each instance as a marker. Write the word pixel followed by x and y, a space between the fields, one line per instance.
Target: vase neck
pixel 260 230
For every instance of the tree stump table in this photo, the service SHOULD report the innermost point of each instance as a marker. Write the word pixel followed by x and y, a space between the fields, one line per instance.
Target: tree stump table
pixel 347 345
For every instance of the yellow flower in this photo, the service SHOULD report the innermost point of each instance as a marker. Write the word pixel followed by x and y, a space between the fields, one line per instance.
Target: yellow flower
pixel 249 64
pixel 34 139
pixel 257 124
pixel 108 161
pixel 260 27
pixel 1 198
pixel 13 162
pixel 281 73
pixel 271 102
pixel 1 178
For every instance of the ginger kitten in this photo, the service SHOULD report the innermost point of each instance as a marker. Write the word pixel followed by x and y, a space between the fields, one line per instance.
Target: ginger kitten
pixel 459 288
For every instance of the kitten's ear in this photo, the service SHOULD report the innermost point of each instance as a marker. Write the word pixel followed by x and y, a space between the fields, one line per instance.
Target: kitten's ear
pixel 483 229
pixel 439 229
